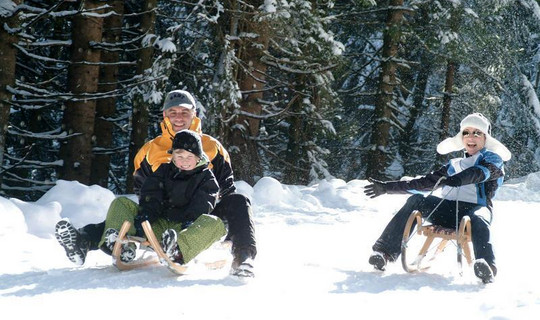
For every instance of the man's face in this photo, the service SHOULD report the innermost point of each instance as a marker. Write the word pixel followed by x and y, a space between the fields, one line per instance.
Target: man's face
pixel 180 117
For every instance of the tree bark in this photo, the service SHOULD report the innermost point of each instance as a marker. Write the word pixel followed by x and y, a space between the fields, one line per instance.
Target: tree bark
pixel 8 59
pixel 408 137
pixel 243 130
pixel 140 114
pixel 105 108
pixel 447 101
pixel 380 132
pixel 79 113
pixel 300 134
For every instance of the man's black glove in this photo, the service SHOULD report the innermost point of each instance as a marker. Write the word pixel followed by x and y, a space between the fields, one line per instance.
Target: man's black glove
pixel 375 189
pixel 453 181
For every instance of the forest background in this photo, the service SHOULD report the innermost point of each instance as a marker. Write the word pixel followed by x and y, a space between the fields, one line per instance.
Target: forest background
pixel 297 90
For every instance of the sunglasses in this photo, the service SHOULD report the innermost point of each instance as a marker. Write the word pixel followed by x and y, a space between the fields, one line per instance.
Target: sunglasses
pixel 476 133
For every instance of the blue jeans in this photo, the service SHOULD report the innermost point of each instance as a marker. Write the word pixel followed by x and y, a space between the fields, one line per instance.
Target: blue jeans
pixel 445 215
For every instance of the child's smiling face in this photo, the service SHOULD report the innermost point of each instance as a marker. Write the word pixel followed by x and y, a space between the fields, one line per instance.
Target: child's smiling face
pixel 184 160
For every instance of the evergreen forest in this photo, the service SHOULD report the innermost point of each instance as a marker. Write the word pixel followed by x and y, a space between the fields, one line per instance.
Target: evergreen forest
pixel 299 90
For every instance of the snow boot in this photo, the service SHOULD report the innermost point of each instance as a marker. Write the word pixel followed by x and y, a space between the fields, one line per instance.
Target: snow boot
pixel 129 250
pixel 484 271
pixel 169 243
pixel 378 260
pixel 110 238
pixel 70 238
pixel 242 264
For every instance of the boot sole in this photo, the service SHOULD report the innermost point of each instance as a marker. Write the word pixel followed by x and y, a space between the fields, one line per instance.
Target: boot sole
pixel 66 235
pixel 377 262
pixel 483 271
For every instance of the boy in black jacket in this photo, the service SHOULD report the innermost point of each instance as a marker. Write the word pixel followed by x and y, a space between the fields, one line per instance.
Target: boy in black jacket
pixel 177 199
pixel 179 113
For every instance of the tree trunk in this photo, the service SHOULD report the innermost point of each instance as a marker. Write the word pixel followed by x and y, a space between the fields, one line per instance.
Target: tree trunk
pixel 140 114
pixel 380 132
pixel 8 59
pixel 447 101
pixel 300 133
pixel 79 113
pixel 105 108
pixel 245 157
pixel 408 137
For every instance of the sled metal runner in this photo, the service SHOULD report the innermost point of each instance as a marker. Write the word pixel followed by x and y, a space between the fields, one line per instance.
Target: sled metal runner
pixel 462 238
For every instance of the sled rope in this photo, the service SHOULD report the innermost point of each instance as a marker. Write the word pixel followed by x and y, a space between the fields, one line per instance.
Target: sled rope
pixel 437 206
pixel 432 211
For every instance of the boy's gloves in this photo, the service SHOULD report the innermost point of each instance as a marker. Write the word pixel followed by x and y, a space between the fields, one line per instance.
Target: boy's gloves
pixel 139 231
pixel 186 224
pixel 375 189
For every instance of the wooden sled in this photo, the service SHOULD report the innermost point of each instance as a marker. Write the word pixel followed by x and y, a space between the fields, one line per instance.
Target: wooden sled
pixel 157 255
pixel 141 243
pixel 431 232
pixel 163 258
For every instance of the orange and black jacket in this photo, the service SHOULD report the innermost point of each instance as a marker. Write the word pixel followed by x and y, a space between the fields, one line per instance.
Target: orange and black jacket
pixel 155 152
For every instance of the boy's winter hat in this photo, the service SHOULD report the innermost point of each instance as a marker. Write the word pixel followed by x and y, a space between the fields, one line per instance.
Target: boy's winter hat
pixel 189 141
pixel 477 121
pixel 179 98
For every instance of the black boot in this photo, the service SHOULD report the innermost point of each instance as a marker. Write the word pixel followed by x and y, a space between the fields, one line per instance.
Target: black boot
pixel 378 260
pixel 484 271
pixel 72 241
pixel 128 251
pixel 169 243
pixel 242 264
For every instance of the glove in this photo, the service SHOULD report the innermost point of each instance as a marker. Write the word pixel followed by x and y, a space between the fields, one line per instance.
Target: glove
pixel 375 189
pixel 452 181
pixel 186 224
pixel 139 231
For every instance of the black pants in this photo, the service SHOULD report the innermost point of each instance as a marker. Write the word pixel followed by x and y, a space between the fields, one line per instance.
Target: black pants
pixel 445 215
pixel 234 209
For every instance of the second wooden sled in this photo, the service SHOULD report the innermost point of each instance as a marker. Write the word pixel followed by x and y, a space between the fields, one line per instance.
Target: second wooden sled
pixel 431 232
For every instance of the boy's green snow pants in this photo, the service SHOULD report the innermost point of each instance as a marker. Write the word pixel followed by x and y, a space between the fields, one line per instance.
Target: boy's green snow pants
pixel 199 236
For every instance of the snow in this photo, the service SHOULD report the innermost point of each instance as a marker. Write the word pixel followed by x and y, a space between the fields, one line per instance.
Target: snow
pixel 313 242
pixel 7 7
pixel 534 6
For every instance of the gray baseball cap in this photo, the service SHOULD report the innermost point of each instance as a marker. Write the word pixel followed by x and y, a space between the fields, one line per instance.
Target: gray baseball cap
pixel 179 98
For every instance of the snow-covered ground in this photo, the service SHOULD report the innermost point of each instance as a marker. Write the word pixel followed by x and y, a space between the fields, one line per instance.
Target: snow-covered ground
pixel 313 243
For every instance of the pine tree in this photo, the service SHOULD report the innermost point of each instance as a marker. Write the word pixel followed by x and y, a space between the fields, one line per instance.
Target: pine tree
pixel 8 20
pixel 83 76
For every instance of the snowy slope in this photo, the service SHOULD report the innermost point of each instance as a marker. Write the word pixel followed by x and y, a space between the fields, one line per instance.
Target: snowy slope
pixel 313 245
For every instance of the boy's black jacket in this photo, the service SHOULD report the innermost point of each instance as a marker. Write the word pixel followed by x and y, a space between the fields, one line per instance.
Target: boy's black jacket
pixel 179 196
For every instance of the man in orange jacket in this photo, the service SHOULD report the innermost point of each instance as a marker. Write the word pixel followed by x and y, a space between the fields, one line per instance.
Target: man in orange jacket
pixel 179 113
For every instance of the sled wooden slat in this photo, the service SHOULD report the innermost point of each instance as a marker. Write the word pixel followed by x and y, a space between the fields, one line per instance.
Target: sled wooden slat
pixel 163 258
pixel 117 250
